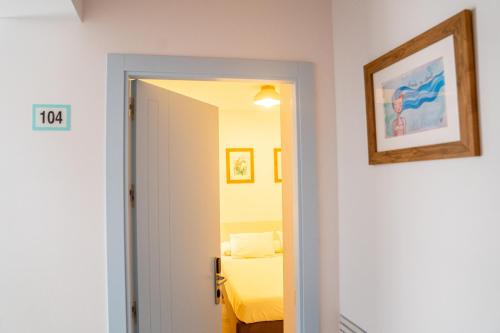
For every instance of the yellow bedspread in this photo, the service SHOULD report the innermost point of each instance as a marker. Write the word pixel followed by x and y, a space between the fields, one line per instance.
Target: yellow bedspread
pixel 255 287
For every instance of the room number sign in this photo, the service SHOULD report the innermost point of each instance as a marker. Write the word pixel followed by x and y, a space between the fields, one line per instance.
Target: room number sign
pixel 51 117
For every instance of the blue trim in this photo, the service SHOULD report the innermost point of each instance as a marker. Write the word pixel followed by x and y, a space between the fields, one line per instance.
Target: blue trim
pixel 67 107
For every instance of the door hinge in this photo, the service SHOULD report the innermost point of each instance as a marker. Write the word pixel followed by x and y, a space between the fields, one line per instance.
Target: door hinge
pixel 134 311
pixel 131 108
pixel 131 195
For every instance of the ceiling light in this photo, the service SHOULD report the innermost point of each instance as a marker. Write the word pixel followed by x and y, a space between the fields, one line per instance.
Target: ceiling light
pixel 267 97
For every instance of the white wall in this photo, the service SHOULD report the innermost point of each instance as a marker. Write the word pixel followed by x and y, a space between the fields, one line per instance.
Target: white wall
pixel 41 9
pixel 261 200
pixel 418 241
pixel 52 230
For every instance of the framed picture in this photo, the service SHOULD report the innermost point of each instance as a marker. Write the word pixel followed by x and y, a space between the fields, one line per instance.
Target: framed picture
pixel 277 165
pixel 421 101
pixel 239 165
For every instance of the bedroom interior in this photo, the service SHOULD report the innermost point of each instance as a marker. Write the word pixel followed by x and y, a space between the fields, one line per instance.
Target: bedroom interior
pixel 250 199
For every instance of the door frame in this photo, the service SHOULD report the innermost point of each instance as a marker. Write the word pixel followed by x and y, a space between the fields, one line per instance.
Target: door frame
pixel 121 67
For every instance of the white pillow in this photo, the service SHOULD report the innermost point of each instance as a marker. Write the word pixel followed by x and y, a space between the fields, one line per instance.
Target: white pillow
pixel 225 248
pixel 252 245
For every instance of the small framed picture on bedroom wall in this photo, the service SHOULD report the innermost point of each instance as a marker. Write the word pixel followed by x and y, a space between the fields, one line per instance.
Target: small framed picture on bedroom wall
pixel 277 165
pixel 239 165
pixel 421 99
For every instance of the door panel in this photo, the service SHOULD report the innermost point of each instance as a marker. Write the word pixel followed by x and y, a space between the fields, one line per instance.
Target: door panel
pixel 177 212
pixel 194 151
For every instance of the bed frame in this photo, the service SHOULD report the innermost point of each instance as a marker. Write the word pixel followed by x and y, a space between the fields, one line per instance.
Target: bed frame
pixel 233 325
pixel 260 327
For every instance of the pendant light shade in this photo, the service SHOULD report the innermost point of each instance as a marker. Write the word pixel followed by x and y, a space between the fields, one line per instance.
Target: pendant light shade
pixel 267 97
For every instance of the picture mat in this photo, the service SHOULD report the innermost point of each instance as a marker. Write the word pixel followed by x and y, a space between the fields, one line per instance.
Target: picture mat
pixel 247 158
pixel 277 166
pixel 445 49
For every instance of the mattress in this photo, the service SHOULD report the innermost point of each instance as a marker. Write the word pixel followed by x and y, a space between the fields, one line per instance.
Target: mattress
pixel 254 287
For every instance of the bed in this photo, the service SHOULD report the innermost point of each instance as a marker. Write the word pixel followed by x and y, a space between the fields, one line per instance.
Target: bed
pixel 253 294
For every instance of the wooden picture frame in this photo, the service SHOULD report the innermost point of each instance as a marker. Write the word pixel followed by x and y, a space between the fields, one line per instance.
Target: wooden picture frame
pixel 277 165
pixel 454 120
pixel 240 165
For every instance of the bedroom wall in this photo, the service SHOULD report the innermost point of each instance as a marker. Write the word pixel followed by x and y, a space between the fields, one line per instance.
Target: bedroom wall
pixel 418 241
pixel 261 200
pixel 52 231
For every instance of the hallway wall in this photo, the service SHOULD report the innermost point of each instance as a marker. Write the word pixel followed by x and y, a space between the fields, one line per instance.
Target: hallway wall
pixel 418 241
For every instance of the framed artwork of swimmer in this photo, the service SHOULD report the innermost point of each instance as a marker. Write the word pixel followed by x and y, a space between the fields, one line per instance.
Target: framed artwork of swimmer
pixel 421 101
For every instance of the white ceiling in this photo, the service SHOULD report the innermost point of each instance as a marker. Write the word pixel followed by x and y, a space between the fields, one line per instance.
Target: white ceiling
pixel 226 95
pixel 40 8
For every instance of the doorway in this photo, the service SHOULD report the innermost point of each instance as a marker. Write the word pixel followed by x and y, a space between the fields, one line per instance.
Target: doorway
pixel 302 184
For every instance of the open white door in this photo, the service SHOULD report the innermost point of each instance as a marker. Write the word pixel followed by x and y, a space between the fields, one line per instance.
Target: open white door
pixel 177 212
